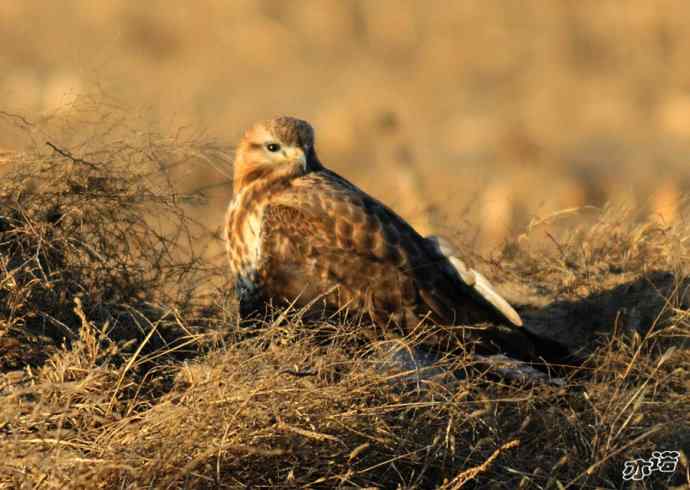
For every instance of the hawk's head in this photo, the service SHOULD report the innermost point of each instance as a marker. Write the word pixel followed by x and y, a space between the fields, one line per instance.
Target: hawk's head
pixel 280 146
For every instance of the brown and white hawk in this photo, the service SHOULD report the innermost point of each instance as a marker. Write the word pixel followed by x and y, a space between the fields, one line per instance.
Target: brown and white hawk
pixel 300 234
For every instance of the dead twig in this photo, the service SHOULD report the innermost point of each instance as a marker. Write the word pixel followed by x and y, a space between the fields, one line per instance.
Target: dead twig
pixel 69 155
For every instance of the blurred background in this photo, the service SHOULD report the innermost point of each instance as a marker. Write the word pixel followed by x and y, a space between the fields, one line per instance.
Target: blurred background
pixel 469 117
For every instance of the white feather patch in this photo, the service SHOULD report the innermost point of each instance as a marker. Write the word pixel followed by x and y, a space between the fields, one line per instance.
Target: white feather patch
pixel 476 280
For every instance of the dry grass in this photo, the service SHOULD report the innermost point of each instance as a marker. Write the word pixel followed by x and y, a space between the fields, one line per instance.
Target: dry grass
pixel 122 366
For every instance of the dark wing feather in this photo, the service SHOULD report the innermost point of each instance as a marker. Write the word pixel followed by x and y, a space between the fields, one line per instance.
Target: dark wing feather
pixel 324 233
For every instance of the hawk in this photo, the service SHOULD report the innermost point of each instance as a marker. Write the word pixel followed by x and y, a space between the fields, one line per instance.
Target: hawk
pixel 299 234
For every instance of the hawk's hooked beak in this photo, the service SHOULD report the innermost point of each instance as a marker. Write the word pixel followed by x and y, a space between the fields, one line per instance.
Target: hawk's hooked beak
pixel 296 156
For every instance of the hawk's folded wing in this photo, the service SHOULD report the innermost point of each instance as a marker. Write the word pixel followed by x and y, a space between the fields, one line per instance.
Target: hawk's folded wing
pixel 323 234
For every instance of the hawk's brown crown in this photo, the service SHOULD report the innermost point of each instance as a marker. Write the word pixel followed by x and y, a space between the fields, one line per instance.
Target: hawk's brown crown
pixel 291 131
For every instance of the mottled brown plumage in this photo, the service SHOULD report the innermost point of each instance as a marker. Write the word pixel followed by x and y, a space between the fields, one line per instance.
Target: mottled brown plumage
pixel 297 233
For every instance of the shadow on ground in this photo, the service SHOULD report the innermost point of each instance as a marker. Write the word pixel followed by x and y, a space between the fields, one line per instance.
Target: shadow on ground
pixel 635 307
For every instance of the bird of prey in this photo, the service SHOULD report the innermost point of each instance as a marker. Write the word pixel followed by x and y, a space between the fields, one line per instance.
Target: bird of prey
pixel 299 234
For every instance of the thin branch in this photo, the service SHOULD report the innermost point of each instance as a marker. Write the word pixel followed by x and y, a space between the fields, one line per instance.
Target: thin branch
pixel 22 119
pixel 68 155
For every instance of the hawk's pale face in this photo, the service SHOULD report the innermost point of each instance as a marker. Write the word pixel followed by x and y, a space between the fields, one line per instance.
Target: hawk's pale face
pixel 267 148
pixel 283 145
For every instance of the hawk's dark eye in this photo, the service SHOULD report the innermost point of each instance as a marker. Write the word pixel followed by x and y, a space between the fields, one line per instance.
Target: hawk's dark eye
pixel 273 147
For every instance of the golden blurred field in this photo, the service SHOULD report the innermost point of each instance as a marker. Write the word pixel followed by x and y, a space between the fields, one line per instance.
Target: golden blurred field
pixel 493 113
pixel 549 140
